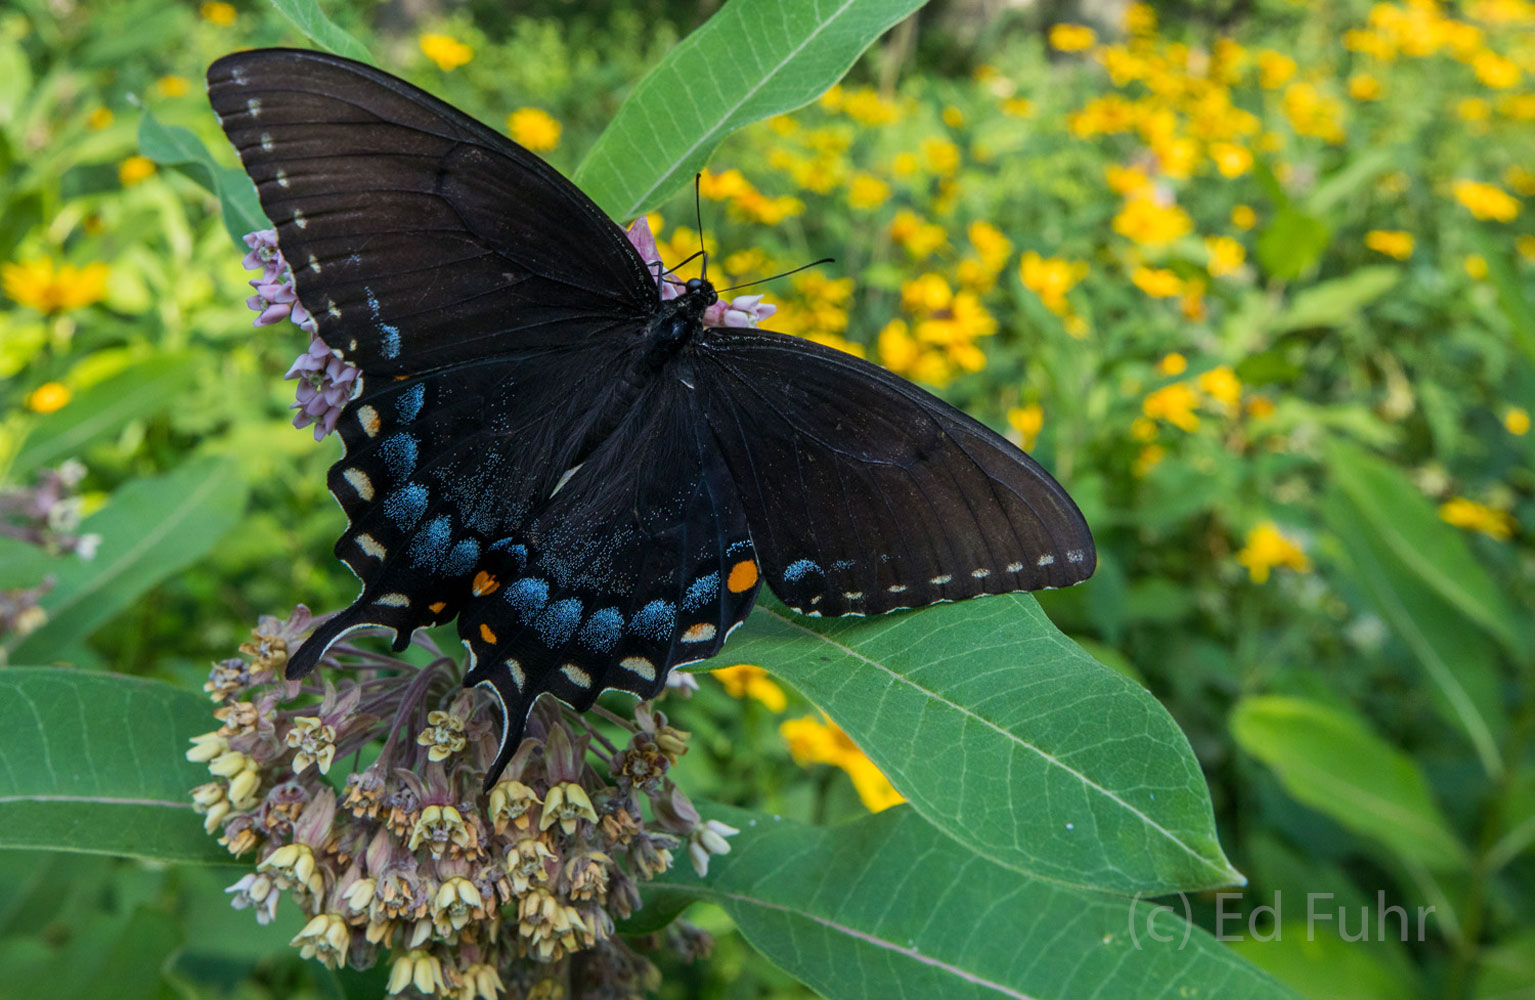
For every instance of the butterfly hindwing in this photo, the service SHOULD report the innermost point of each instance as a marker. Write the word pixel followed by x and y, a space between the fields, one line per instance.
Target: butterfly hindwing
pixel 866 494
pixel 418 237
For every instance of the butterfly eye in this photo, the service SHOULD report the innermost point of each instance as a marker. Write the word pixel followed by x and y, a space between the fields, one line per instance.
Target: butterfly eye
pixel 694 284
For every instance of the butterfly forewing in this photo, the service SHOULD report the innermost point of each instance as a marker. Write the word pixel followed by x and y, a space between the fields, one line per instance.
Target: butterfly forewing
pixel 867 494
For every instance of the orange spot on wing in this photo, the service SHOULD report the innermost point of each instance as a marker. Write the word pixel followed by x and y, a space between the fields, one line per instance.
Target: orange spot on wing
pixel 743 575
pixel 437 606
pixel 484 584
pixel 487 634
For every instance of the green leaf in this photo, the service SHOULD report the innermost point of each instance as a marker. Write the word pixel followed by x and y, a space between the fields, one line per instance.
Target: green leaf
pixel 97 763
pixel 1336 765
pixel 173 146
pixel 1319 963
pixel 1291 243
pixel 889 907
pixel 1504 274
pixel 138 391
pixel 751 60
pixel 1460 659
pixel 1009 738
pixel 1347 182
pixel 1434 551
pixel 1335 302
pixel 306 16
pixel 150 529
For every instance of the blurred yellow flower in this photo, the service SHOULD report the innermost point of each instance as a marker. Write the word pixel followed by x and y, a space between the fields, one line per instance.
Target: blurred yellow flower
pixel 1140 19
pixel 1364 87
pixel 1176 156
pixel 1475 265
pixel 1267 548
pixel 953 117
pixel 746 681
pixel 1495 71
pixel 1474 516
pixel 1143 429
pixel 866 107
pixel 1260 407
pixel 1311 112
pixel 39 285
pixel 1230 159
pixel 1222 385
pixel 1149 458
pixel 1486 201
pixel 1174 404
pixel 1520 107
pixel 1051 278
pixel 897 350
pixel 1517 420
pixel 1192 301
pixel 1146 221
pixel 1473 109
pixel 99 118
pixel 942 156
pixel 990 242
pixel 1173 364
pixel 172 86
pixel 1110 114
pixel 1027 421
pixel 1226 256
pixel 1072 37
pixel 135 169
pixel 714 186
pixel 1274 69
pixel 1391 242
pixel 1521 179
pixel 447 52
pixel 920 237
pixel 219 13
pixel 1525 244
pixel 928 292
pixel 534 128
pixel 48 397
pixel 1158 282
pixel 1243 217
pixel 1018 107
pixel 812 741
pixel 1126 180
pixel 865 191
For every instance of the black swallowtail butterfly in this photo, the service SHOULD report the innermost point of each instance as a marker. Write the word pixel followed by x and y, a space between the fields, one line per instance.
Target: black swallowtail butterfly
pixel 592 481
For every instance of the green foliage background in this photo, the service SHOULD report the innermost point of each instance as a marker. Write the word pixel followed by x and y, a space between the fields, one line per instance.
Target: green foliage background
pixel 1362 714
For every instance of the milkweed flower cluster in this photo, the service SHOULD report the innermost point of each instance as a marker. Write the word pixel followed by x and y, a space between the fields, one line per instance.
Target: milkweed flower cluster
pixel 465 893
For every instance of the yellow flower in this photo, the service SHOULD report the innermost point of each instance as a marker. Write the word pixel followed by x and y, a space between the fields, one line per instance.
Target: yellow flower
pixel 866 107
pixel 942 156
pixel 1222 385
pixel 898 351
pixel 1018 107
pixel 48 397
pixel 135 169
pixel 1173 364
pixel 746 681
pixel 38 284
pixel 1520 107
pixel 1027 421
pixel 919 237
pixel 866 191
pixel 218 12
pixel 1150 456
pixel 447 52
pixel 1495 71
pixel 534 128
pixel 1140 19
pixel 1274 69
pixel 927 292
pixel 1126 181
pixel 1261 407
pixel 1072 37
pixel 1149 223
pixel 1364 87
pixel 1486 201
pixel 1267 548
pixel 812 741
pixel 1051 278
pixel 1474 516
pixel 1157 282
pixel 1517 420
pixel 1473 109
pixel 1312 112
pixel 1243 217
pixel 1226 255
pixel 1476 266
pixel 1173 403
pixel 1391 242
pixel 99 119
pixel 953 117
pixel 1521 179
pixel 1525 244
pixel 1230 159
pixel 714 186
pixel 172 86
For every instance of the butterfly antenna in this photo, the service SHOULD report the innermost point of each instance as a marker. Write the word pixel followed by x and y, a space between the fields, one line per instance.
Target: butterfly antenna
pixel 785 274
pixel 698 213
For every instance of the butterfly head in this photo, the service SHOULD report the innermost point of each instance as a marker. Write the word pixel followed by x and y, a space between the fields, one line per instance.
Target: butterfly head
pixel 702 292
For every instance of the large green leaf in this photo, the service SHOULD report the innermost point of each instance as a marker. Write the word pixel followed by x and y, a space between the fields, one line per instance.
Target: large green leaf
pixel 150 529
pixel 1434 551
pixel 138 391
pixel 1333 302
pixel 174 146
pixel 1459 659
pixel 889 907
pixel 1333 763
pixel 306 16
pixel 97 763
pixel 751 60
pixel 1008 737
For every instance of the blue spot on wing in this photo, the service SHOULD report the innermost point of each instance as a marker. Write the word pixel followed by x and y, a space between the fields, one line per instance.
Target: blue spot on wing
pixel 408 405
pixel 603 630
pixel 463 557
pixel 391 334
pixel 656 620
pixel 406 505
pixel 527 595
pixel 431 544
pixel 701 592
pixel 399 452
pixel 799 569
pixel 557 623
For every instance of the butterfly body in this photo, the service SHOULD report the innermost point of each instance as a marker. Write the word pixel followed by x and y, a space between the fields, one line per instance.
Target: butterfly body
pixel 585 475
